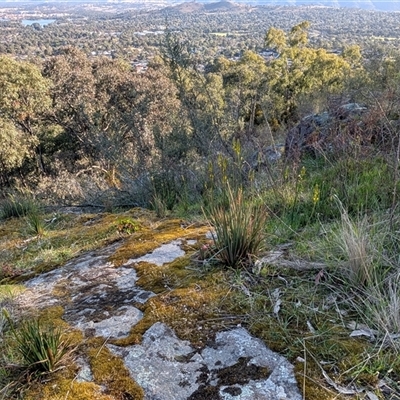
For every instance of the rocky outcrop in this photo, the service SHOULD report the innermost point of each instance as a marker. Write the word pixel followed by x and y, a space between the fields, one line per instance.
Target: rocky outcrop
pixel 99 299
pixel 234 366
pixel 317 132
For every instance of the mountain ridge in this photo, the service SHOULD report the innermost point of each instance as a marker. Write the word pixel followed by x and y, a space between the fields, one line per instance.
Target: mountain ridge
pixel 373 5
pixel 377 5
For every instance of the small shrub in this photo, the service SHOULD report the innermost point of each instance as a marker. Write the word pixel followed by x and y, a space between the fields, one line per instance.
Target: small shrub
pixel 239 229
pixel 165 188
pixel 127 226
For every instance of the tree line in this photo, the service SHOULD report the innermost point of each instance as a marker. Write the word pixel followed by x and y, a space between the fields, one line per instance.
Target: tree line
pixel 79 115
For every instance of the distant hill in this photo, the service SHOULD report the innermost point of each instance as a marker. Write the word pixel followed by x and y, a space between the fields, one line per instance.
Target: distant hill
pixel 213 6
pixel 187 7
pixel 195 6
pixel 223 5
pixel 381 5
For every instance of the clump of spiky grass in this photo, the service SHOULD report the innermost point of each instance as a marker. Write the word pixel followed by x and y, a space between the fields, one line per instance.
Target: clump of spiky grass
pixel 17 206
pixel 159 206
pixel 239 229
pixel 355 243
pixel 367 255
pixel 383 305
pixel 352 247
pixel 41 349
pixel 378 306
pixel 35 223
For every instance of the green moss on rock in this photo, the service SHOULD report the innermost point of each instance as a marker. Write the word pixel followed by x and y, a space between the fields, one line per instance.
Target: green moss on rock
pixel 110 371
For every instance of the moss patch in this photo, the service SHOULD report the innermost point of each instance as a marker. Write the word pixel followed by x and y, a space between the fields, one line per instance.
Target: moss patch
pixel 110 371
pixel 312 384
pixel 149 238
pixel 66 237
pixel 193 312
pixel 63 387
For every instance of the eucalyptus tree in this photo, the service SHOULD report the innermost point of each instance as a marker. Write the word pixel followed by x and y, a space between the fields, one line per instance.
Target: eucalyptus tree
pixel 24 100
pixel 300 71
pixel 111 116
pixel 201 95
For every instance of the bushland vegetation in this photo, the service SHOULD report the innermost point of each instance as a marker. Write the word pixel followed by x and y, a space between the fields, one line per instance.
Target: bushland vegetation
pixel 92 131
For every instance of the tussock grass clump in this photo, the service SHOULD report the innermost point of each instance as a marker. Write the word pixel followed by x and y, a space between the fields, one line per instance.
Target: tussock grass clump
pixel 239 229
pixel 41 349
pixel 354 242
pixel 364 251
pixel 382 305
pixel 18 206
pixel 159 206
pixel 35 223
pixel 31 350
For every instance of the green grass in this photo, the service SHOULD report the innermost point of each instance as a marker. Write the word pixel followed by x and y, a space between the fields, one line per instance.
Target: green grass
pixel 41 348
pixel 239 229
pixel 337 212
pixel 66 237
pixel 35 223
pixel 18 206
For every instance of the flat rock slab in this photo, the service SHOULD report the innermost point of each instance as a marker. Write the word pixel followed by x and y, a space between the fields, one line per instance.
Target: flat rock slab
pixel 97 297
pixel 235 366
pixel 162 255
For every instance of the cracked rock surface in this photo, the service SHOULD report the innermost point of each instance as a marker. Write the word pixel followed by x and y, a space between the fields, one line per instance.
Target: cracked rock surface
pixel 170 369
pixel 99 299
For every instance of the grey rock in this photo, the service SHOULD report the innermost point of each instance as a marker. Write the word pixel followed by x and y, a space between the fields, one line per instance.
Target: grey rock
pixel 162 255
pixel 317 132
pixel 268 155
pixel 116 326
pixel 158 365
pixel 97 298
pixel 85 373
pixel 168 368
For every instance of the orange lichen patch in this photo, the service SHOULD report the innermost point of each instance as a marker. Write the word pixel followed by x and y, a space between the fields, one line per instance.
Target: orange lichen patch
pixel 147 240
pixel 161 278
pixel 110 371
pixel 194 312
pixel 52 316
pixel 62 388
